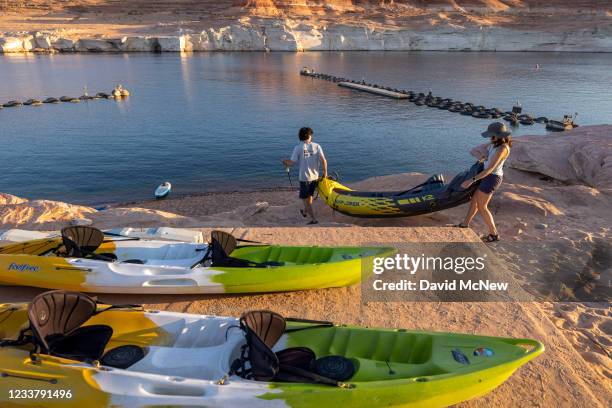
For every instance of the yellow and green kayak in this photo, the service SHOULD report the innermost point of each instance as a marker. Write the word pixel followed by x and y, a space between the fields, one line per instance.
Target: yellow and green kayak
pixel 155 359
pixel 118 265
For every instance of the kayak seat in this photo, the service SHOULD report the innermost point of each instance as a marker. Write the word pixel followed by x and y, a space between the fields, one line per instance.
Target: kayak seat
pixel 86 343
pixel 55 321
pixel 262 330
pixel 222 245
pixel 81 241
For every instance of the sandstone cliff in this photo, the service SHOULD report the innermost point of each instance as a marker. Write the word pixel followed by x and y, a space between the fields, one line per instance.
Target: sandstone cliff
pixel 305 25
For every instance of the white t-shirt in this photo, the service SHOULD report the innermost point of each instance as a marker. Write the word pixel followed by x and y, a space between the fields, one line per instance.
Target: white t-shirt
pixel 308 156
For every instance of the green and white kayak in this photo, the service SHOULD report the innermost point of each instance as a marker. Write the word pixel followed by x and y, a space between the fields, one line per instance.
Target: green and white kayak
pixel 154 359
pixel 106 264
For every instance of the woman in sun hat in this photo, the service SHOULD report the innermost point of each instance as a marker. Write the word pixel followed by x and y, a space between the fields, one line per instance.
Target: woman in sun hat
pixel 490 178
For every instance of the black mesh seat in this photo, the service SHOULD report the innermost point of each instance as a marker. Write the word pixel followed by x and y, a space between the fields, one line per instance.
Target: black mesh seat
pixel 81 241
pixel 56 320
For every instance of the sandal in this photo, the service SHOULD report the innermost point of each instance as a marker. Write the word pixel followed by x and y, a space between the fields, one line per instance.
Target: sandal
pixel 461 225
pixel 313 222
pixel 491 238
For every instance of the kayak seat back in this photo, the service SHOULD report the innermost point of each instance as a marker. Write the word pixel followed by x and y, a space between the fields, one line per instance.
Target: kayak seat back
pixel 56 320
pixel 223 244
pixel 81 240
pixel 262 329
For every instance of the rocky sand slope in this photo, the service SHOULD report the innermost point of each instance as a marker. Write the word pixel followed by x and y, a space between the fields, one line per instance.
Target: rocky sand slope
pixel 269 25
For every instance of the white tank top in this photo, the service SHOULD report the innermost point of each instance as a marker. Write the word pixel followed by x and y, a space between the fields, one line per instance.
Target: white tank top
pixel 499 170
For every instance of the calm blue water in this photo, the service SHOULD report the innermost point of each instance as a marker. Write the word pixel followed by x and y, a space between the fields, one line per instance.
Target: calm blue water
pixel 223 121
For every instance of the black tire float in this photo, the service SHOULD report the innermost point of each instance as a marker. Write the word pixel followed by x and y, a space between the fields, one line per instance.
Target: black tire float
pixel 12 104
pixel 33 102
pixel 527 121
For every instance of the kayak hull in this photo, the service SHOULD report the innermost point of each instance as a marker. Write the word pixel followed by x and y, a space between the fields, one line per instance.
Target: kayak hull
pixel 430 197
pixel 188 354
pixel 173 268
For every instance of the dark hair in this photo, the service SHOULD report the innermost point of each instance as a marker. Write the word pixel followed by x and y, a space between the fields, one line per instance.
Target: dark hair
pixel 500 140
pixel 305 133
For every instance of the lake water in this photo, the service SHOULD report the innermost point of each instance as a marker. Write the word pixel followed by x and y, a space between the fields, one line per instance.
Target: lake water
pixel 223 121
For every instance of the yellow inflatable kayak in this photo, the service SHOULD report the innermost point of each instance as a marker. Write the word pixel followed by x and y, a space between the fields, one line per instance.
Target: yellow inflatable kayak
pixel 83 259
pixel 430 196
pixel 99 356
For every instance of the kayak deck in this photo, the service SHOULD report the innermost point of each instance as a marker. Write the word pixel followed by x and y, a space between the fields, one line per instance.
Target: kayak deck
pixel 186 356
pixel 142 266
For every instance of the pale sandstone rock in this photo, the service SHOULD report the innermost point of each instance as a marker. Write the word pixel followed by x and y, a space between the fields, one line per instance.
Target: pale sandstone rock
pixel 6 199
pixel 43 42
pixel 63 44
pixel 284 34
pixel 136 44
pixel 11 44
pixel 579 156
pixel 29 43
pixel 171 43
pixel 95 45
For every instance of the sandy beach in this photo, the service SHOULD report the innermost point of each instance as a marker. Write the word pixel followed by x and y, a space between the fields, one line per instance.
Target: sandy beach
pixel 565 205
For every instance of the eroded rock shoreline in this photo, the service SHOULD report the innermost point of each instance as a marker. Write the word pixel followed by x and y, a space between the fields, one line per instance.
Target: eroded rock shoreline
pixel 294 36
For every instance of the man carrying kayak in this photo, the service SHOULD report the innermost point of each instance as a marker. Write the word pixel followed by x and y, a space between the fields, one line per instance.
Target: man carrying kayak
pixel 307 155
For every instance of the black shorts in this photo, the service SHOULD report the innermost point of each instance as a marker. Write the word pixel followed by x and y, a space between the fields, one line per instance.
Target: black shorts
pixel 307 189
pixel 490 183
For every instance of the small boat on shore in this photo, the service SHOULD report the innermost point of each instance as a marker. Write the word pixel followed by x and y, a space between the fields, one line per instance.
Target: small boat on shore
pixel 163 190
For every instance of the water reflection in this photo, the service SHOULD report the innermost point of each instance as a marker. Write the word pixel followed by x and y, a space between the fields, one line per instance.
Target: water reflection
pixel 212 121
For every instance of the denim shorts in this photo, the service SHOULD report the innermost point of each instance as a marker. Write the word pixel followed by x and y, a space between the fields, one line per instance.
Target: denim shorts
pixel 307 188
pixel 490 183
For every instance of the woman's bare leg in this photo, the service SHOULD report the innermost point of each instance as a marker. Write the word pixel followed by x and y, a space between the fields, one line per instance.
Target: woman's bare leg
pixel 471 212
pixel 482 202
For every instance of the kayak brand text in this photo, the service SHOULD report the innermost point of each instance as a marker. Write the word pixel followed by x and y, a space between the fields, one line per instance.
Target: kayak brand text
pixel 23 267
